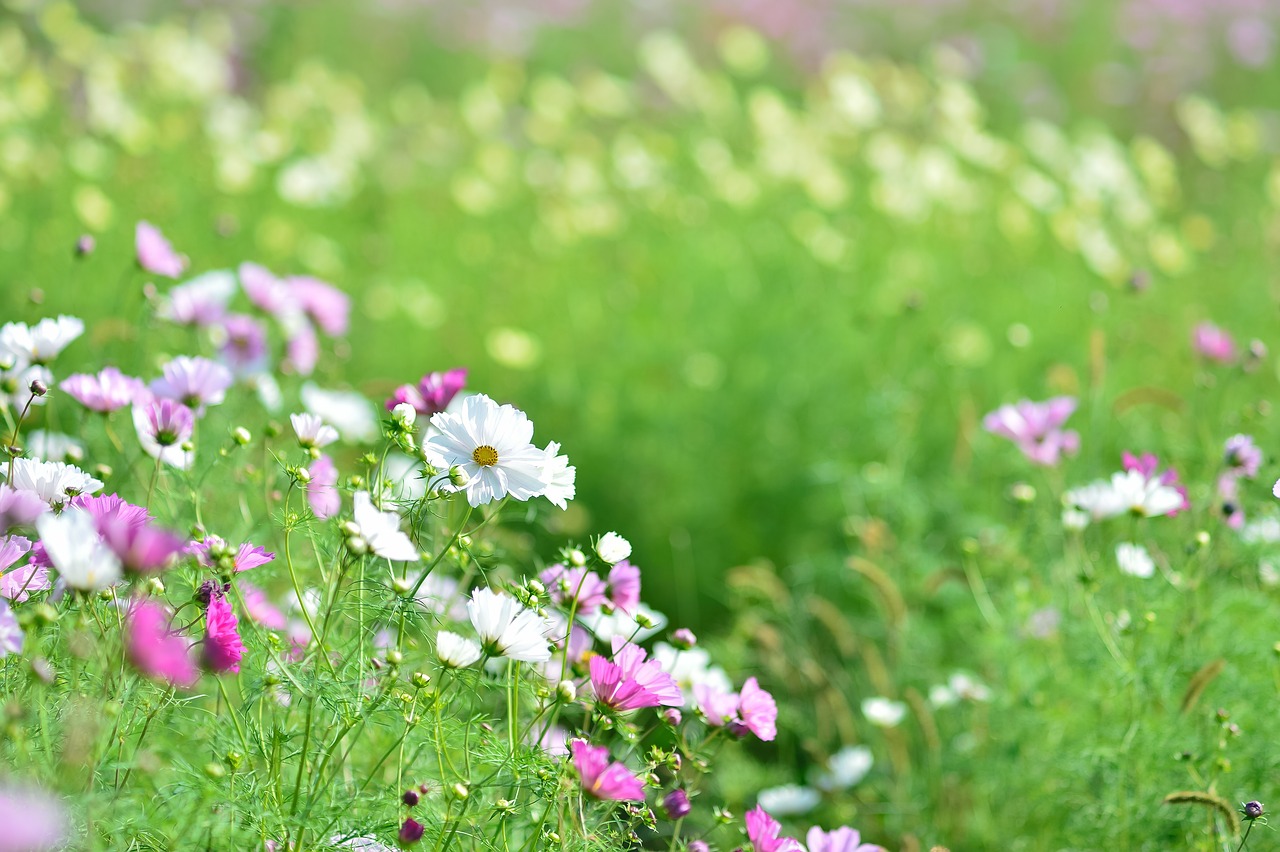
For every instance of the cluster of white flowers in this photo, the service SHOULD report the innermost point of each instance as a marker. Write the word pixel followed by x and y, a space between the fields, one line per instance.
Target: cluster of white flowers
pixel 25 353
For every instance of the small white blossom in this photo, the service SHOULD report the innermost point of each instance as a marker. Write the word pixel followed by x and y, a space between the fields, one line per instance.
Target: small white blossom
pixel 846 768
pixel 312 431
pixel 381 530
pixel 1134 560
pixel 405 415
pixel 508 629
pixel 613 548
pixel 454 651
pixel 1127 492
pixel 788 800
pixel 884 712
pixel 348 412
pixel 52 482
pixel 490 444
pixel 41 343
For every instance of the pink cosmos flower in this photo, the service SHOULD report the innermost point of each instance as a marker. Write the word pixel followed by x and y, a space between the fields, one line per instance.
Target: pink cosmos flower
pixel 11 636
pixel 210 551
pixel 19 508
pixel 108 391
pixel 752 709
pixel 245 349
pixel 328 306
pixel 1213 343
pixel 567 585
pixel 260 609
pixel 200 302
pixel 194 382
pixel 34 821
pixel 763 830
pixel 266 291
pixel 1035 427
pixel 154 649
pixel 143 548
pixel 111 506
pixel 602 779
pixel 624 586
pixel 222 645
pixel 433 393
pixel 18 584
pixel 322 495
pixel 630 682
pixel 1148 465
pixel 1242 456
pixel 843 839
pixel 163 425
pixel 301 349
pixel 155 254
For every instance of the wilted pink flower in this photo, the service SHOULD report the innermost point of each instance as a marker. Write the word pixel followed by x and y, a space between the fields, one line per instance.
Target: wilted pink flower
pixel 843 839
pixel 108 391
pixel 163 425
pixel 260 609
pixel 763 830
pixel 34 821
pixel 1035 427
pixel 328 306
pixel 155 255
pixel 602 779
pixel 433 393
pixel 1149 466
pixel 630 682
pixel 19 508
pixel 18 584
pixel 567 585
pixel 624 586
pixel 222 646
pixel 1213 343
pixel 154 649
pixel 322 495
pixel 194 382
pixel 245 348
pixel 1242 456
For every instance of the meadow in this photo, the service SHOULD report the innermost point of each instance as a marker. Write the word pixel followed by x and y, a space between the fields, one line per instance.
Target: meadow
pixel 917 357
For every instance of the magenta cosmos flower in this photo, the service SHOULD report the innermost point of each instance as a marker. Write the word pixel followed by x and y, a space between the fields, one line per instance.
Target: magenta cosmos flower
pixel 433 393
pixel 155 254
pixel 630 682
pixel 214 549
pixel 1035 427
pixel 602 779
pixel 763 831
pixel 752 709
pixel 1213 343
pixel 155 650
pixel 222 645
pixel 108 391
pixel 843 839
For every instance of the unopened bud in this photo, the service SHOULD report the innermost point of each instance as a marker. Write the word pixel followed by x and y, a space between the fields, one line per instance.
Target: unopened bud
pixel 420 679
pixel 357 545
pixel 684 639
pixel 402 586
pixel 85 246
pixel 404 415
pixel 241 436
pixel 38 388
pixel 672 716
pixel 567 691
pixel 461 790
pixel 394 657
pixel 1253 810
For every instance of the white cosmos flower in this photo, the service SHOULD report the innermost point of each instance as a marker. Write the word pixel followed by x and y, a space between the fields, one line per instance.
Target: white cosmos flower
pixel 15 384
pixel 76 550
pixel 454 651
pixel 884 712
pixel 491 444
pixel 846 768
pixel 613 548
pixel 788 800
pixel 52 482
pixel 1128 491
pixel 41 343
pixel 381 530
pixel 1134 560
pixel 349 412
pixel 53 446
pixel 508 629
pixel 559 476
pixel 312 431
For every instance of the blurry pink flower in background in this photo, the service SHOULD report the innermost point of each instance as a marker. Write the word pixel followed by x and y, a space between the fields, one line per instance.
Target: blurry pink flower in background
pixel 32 820
pixel 260 609
pixel 245 347
pixel 154 649
pixel 1213 343
pixel 163 425
pixel 1035 427
pixel 763 831
pixel 155 255
pixel 602 779
pixel 194 382
pixel 433 392
pixel 105 392
pixel 322 495
pixel 328 307
pixel 19 508
pixel 843 839
pixel 18 584
pixel 202 301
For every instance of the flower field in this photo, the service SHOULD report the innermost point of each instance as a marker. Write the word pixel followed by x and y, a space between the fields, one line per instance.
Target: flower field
pixel 905 465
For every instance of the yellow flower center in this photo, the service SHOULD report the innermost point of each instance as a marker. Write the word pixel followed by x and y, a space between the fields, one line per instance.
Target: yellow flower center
pixel 485 456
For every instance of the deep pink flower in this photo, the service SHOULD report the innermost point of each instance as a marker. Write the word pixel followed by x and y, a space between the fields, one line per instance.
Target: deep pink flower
pixel 194 382
pixel 222 646
pixel 1149 466
pixel 676 804
pixel 328 306
pixel 155 255
pixel 245 348
pixel 433 392
pixel 19 508
pixel 1035 427
pixel 322 496
pixel 154 649
pixel 411 831
pixel 108 391
pixel 602 779
pixel 567 585
pixel 18 584
pixel 762 831
pixel 1213 343
pixel 214 547
pixel 624 586
pixel 111 506
pixel 843 839
pixel 260 609
pixel 630 682
pixel 34 821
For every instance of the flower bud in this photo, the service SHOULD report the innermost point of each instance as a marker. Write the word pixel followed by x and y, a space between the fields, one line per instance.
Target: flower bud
pixel 85 246
pixel 461 790
pixel 672 716
pixel 420 679
pixel 38 388
pixel 394 657
pixel 458 477
pixel 302 475
pixel 357 545
pixel 684 639
pixel 411 831
pixel 410 797
pixel 676 804
pixel 612 548
pixel 348 528
pixel 404 415
pixel 402 586
pixel 241 436
pixel 1253 810
pixel 577 558
pixel 567 691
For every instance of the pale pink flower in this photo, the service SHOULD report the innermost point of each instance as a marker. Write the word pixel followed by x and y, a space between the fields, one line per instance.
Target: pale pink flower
pixel 245 347
pixel 1035 427
pixel 108 391
pixel 267 291
pixel 155 254
pixel 843 839
pixel 1213 343
pixel 322 495
pixel 752 709
pixel 624 586
pixel 19 508
pixel 763 831
pixel 328 307
pixel 569 585
pixel 260 609
pixel 602 779
pixel 18 584
pixel 33 820
pixel 163 426
pixel 194 382
pixel 1242 456
pixel 200 302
